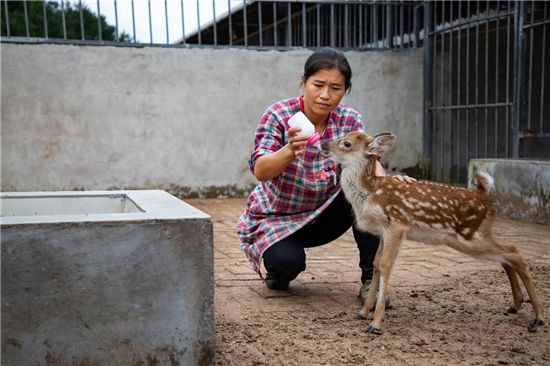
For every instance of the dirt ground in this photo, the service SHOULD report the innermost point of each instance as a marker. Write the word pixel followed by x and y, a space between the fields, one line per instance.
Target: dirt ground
pixel 460 322
pixel 448 309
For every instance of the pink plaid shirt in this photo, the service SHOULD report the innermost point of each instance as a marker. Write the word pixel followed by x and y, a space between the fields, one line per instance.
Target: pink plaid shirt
pixel 279 207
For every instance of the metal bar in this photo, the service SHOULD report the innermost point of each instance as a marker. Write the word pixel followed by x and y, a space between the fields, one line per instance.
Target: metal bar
pixel 427 97
pixel 507 98
pixel 199 31
pixel 133 21
pixel 6 15
pixel 415 26
pixel 361 6
pixel 372 20
pixel 64 25
pixel 458 97
pixel 543 63
pixel 346 26
pixel 389 25
pixel 116 22
pixel 354 21
pixel 260 27
pixel 442 62
pixel 537 24
pixel 99 32
pixel 530 63
pixel 304 28
pixel 214 22
pixel 245 24
pixel 26 18
pixel 183 23
pixel 528 135
pixel 467 23
pixel 289 25
pixel 275 24
pixel 518 76
pixel 231 22
pixel 471 106
pixel 318 25
pixel 442 141
pixel 402 23
pixel 376 23
pixel 383 27
pixel 448 176
pixel 485 120
pixel 150 22
pixel 476 78
pixel 45 19
pixel 82 33
pixel 332 30
pixel 497 66
pixel 166 20
pixel 467 138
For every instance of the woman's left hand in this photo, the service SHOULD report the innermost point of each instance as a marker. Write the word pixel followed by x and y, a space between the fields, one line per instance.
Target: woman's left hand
pixel 405 178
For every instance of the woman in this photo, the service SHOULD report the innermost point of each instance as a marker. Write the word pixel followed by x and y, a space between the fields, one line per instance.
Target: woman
pixel 298 203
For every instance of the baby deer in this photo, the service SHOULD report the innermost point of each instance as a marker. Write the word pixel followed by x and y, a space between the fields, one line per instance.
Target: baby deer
pixel 433 213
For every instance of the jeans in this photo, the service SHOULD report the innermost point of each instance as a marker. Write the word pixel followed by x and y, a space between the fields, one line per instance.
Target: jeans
pixel 285 259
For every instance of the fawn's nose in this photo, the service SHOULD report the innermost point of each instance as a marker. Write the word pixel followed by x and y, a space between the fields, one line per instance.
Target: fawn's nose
pixel 324 149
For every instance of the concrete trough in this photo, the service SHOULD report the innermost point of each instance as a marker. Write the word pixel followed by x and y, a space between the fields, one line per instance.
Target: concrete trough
pixel 106 278
pixel 522 187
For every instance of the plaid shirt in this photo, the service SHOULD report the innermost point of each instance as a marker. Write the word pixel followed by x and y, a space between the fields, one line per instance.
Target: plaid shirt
pixel 279 207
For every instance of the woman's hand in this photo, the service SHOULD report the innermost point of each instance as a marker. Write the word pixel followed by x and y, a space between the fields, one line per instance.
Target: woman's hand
pixel 296 144
pixel 405 178
pixel 271 165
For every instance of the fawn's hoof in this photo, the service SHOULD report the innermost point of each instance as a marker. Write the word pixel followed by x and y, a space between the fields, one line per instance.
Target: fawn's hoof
pixel 511 310
pixel 360 316
pixel 534 324
pixel 374 330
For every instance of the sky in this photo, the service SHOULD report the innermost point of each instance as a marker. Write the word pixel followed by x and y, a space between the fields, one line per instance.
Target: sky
pixel 159 9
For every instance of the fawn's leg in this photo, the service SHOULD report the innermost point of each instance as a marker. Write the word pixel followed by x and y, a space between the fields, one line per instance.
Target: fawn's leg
pixel 392 242
pixel 517 294
pixel 511 256
pixel 371 295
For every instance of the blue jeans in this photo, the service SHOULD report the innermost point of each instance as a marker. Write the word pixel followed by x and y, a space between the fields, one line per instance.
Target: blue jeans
pixel 285 259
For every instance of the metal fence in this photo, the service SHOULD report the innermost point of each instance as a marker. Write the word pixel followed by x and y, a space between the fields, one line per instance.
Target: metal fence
pixel 486 84
pixel 338 24
pixel 271 24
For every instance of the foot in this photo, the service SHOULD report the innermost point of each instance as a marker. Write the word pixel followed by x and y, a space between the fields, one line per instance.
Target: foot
pixel 373 330
pixel 534 324
pixel 365 290
pixel 273 283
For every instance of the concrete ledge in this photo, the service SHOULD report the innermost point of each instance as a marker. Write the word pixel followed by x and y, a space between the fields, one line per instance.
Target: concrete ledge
pixel 522 187
pixel 104 284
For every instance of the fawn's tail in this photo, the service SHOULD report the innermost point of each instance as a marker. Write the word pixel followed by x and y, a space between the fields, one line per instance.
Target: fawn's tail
pixel 485 183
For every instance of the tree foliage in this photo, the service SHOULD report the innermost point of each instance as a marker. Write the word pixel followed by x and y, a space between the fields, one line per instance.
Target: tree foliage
pixel 17 25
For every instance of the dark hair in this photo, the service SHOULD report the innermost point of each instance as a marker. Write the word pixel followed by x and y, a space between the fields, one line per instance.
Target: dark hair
pixel 328 58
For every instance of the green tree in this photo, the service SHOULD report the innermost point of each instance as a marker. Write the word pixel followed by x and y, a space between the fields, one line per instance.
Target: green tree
pixel 54 17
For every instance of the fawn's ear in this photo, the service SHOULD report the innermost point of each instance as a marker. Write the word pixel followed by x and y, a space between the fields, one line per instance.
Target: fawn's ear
pixel 381 143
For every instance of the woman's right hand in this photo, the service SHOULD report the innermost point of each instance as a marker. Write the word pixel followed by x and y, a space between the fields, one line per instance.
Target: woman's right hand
pixel 271 165
pixel 296 144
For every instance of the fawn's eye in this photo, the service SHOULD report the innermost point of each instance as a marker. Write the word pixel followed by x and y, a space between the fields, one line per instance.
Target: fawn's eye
pixel 346 144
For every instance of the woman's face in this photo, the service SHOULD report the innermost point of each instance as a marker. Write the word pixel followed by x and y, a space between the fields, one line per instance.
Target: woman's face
pixel 322 93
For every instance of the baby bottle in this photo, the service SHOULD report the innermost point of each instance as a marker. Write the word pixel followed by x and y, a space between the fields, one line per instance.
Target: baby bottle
pixel 307 128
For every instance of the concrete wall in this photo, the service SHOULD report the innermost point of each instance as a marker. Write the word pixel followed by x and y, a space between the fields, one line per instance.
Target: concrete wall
pixel 183 120
pixel 522 187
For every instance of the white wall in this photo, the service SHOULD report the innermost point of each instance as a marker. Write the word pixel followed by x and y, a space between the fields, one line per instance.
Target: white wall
pixel 85 117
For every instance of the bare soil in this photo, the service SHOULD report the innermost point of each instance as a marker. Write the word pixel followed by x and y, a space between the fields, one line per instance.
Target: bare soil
pixel 462 321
